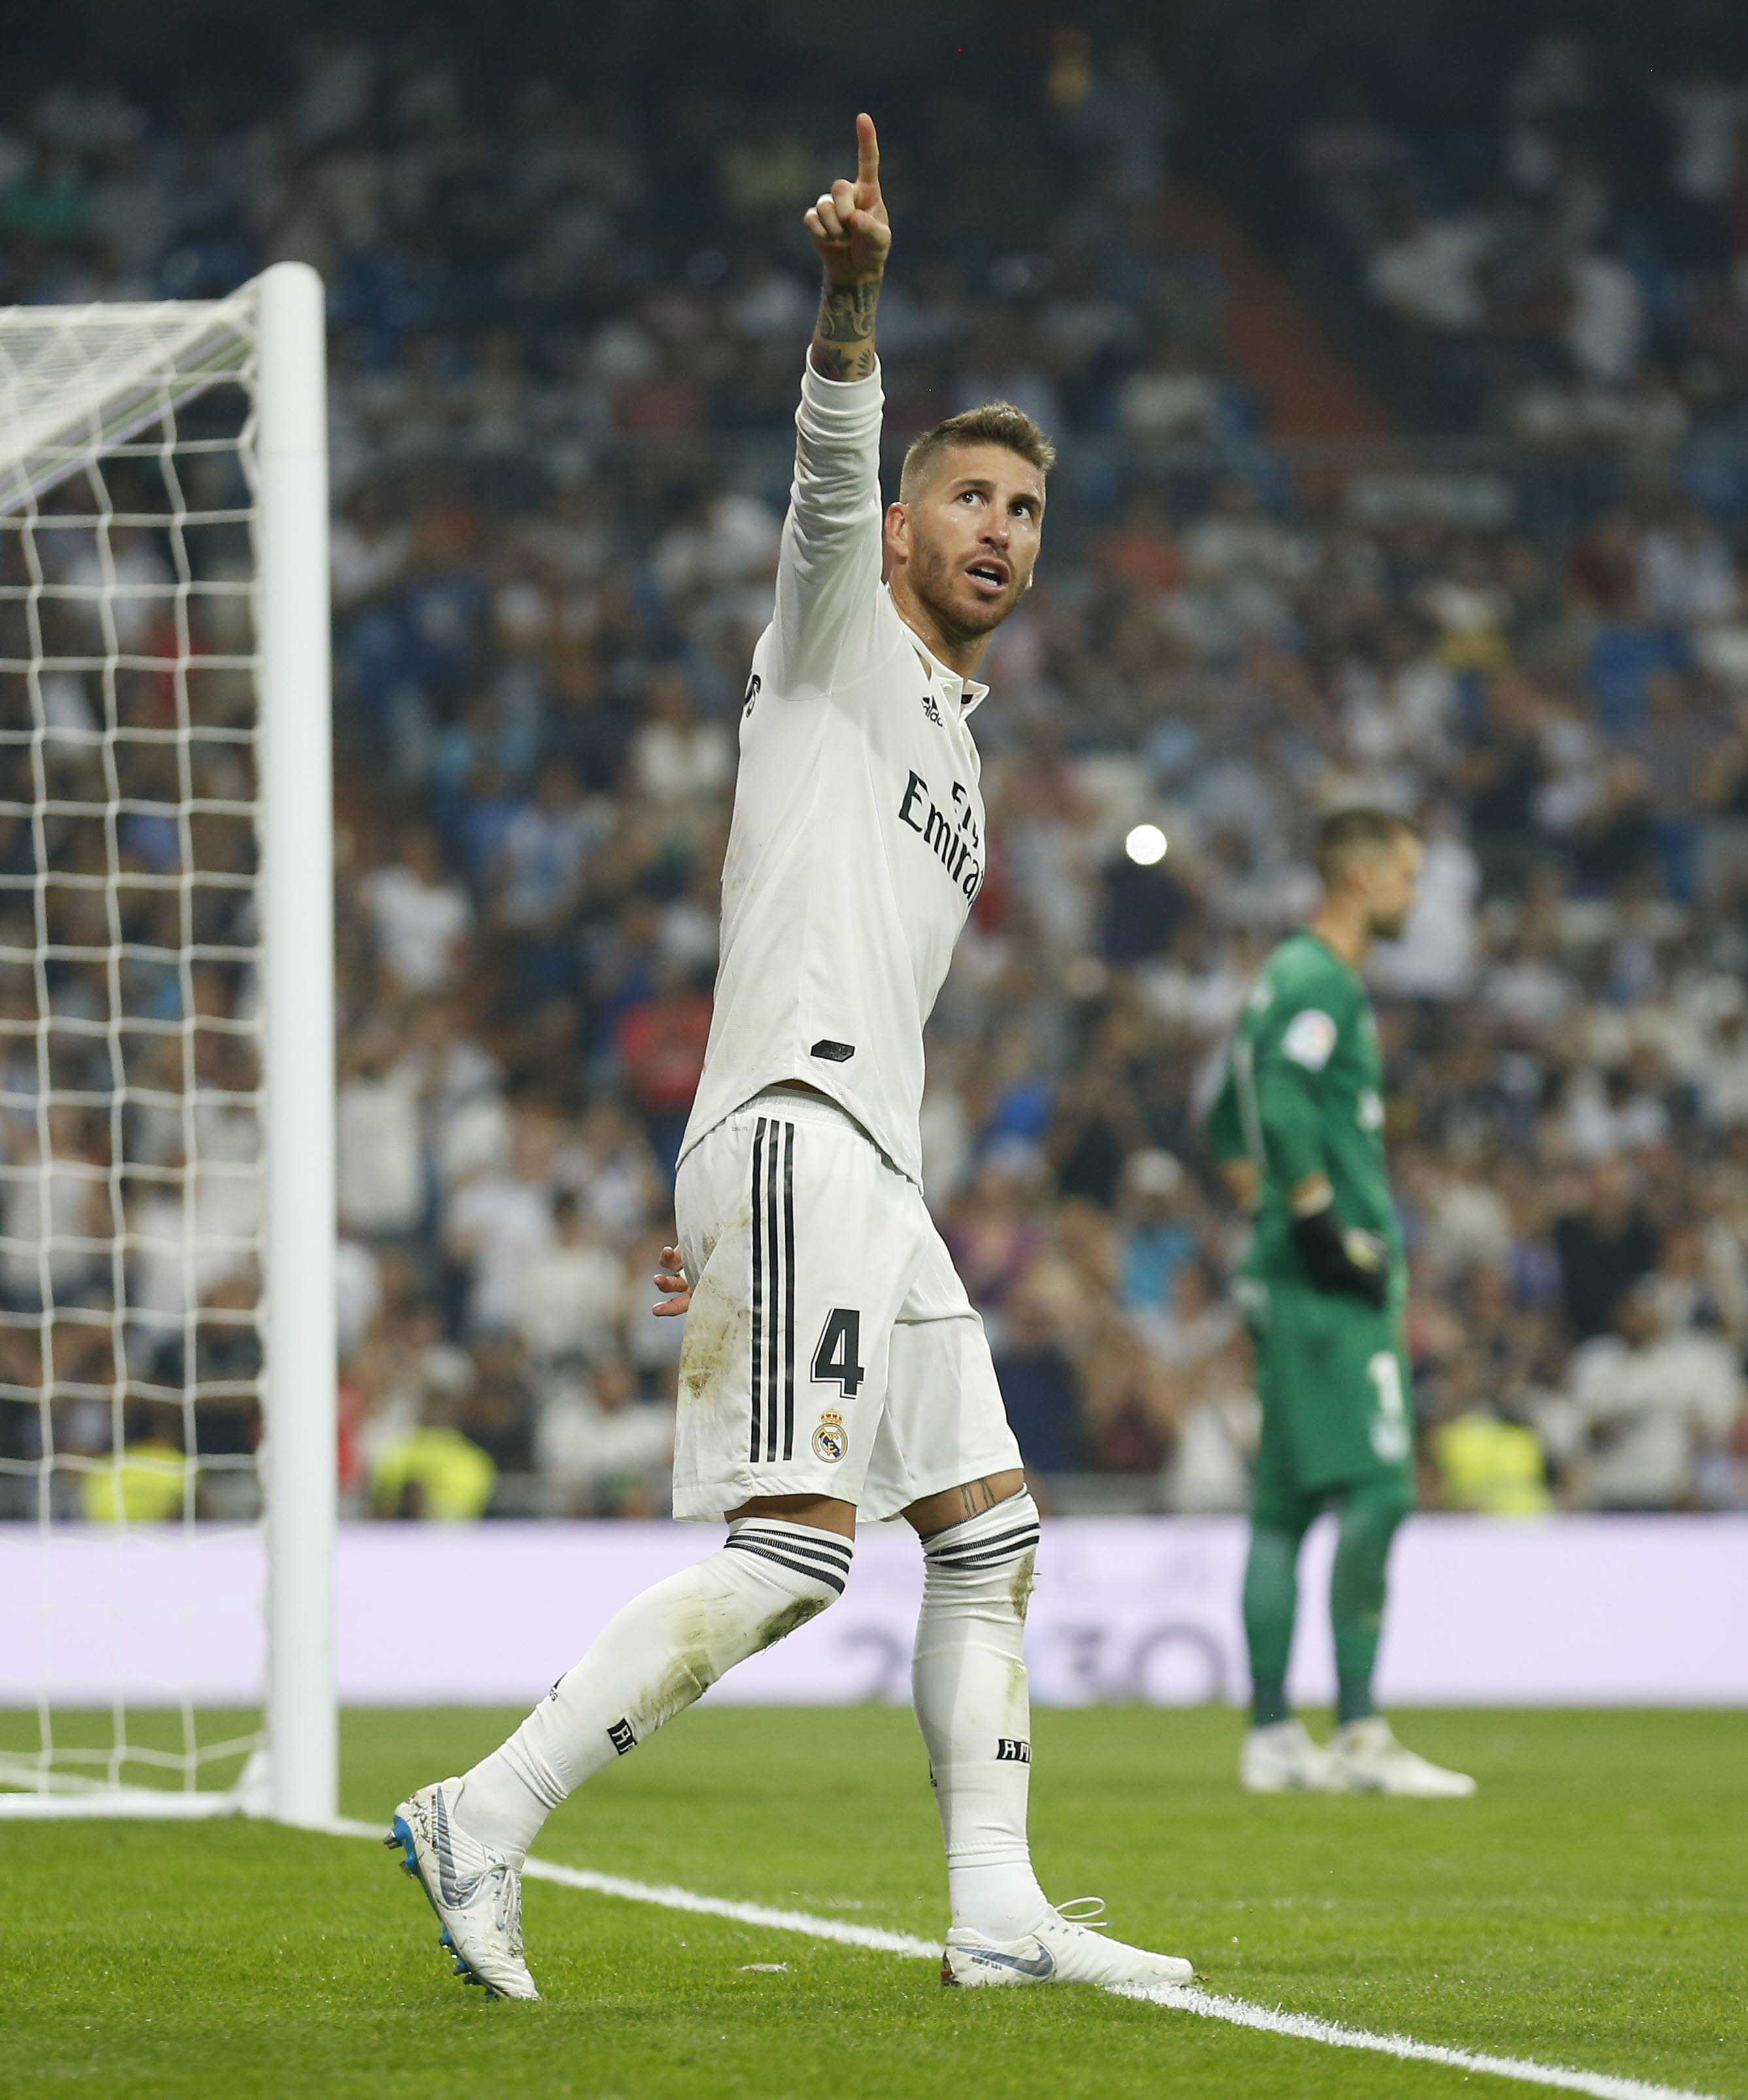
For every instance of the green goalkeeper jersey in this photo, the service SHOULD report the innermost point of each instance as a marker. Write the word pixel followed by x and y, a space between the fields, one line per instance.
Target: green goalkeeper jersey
pixel 1303 1095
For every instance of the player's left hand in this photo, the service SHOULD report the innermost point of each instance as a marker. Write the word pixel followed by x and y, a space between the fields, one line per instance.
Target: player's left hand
pixel 670 1278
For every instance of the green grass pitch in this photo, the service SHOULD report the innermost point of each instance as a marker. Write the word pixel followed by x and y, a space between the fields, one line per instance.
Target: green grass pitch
pixel 1589 1908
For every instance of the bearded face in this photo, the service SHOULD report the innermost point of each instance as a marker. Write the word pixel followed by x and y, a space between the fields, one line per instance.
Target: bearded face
pixel 964 544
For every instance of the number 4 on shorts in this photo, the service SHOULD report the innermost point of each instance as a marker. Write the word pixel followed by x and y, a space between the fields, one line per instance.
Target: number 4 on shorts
pixel 838 1358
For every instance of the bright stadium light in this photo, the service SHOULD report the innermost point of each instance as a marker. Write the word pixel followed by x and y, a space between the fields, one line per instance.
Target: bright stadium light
pixel 1145 845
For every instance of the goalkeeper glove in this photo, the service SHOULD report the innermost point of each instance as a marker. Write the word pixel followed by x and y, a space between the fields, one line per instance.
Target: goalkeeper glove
pixel 1352 1261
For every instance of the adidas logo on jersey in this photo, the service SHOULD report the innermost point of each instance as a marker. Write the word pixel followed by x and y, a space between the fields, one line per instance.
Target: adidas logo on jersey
pixel 932 709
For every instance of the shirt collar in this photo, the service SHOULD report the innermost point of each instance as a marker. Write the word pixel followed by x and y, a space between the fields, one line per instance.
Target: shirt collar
pixel 971 693
pixel 1341 962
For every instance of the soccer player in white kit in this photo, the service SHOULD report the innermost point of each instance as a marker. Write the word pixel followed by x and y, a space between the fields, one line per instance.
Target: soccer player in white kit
pixel 833 1366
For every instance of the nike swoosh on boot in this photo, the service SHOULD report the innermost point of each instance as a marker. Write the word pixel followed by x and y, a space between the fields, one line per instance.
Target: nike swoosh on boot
pixel 1039 1966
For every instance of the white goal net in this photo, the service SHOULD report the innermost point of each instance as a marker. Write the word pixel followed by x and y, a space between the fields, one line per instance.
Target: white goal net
pixel 165 1224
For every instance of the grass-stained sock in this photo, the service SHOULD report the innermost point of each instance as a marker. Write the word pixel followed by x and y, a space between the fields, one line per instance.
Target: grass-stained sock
pixel 665 1649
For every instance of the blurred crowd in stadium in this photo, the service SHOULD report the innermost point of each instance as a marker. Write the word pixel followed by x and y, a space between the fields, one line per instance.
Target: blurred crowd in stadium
pixel 559 462
pixel 1570 264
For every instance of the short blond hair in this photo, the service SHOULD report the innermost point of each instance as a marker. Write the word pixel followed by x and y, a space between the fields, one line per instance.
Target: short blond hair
pixel 995 423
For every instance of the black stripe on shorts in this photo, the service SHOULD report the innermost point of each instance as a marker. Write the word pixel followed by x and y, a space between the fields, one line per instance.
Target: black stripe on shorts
pixel 758 1288
pixel 773 1324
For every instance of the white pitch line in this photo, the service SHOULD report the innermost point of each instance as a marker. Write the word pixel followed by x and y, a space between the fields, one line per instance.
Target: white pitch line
pixel 672 1899
pixel 743 1913
pixel 1179 1998
pixel 1306 2026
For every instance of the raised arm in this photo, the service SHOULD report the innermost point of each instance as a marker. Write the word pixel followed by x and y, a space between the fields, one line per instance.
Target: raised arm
pixel 852 237
pixel 828 569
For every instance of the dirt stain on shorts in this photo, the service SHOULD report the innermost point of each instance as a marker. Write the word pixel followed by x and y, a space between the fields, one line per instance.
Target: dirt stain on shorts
pixel 717 1340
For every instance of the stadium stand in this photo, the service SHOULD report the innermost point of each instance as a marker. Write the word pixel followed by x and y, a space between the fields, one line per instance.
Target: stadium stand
pixel 560 433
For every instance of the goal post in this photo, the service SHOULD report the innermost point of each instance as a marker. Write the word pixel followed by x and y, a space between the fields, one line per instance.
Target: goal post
pixel 167 1324
pixel 297 925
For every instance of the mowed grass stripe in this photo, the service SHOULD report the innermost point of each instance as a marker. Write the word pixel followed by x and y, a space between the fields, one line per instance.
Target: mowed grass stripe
pixel 1206 2004
pixel 1589 1908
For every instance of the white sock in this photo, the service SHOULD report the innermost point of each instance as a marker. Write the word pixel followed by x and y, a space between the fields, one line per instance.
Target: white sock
pixel 969 1681
pixel 650 1662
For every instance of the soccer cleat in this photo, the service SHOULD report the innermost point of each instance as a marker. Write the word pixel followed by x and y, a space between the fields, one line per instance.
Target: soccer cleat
pixel 475 1892
pixel 1061 1950
pixel 1281 1759
pixel 1365 1758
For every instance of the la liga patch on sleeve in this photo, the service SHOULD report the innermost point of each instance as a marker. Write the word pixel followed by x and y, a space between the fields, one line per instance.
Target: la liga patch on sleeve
pixel 1310 1038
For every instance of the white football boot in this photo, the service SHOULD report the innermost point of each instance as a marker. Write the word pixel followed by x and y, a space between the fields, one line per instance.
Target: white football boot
pixel 1365 1758
pixel 1061 1950
pixel 475 1892
pixel 1281 1759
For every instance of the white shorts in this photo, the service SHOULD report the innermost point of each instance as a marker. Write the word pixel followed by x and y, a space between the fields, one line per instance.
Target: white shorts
pixel 830 1348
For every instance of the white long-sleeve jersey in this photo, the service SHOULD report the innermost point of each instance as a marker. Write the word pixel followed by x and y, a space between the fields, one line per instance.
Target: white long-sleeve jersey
pixel 856 849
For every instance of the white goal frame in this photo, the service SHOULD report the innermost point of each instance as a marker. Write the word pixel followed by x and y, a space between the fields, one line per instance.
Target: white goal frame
pixel 296 1780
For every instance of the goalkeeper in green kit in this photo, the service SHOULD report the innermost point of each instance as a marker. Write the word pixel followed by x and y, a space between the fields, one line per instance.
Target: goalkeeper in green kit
pixel 1298 1129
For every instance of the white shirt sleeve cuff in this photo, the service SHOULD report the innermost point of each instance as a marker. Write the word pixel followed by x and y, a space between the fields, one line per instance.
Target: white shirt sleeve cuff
pixel 821 392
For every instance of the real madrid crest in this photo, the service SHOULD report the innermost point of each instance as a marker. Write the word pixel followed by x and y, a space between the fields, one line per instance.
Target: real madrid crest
pixel 831 1439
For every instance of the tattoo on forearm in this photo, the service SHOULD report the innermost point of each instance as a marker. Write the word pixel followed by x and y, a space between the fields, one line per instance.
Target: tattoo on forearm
pixel 843 345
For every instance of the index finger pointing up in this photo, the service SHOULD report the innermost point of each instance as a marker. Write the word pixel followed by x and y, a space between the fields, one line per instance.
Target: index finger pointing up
pixel 867 153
